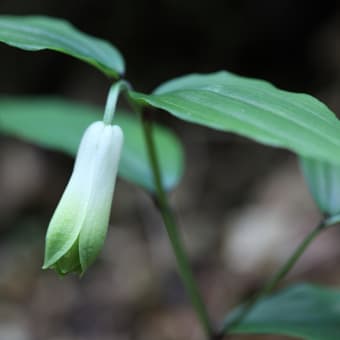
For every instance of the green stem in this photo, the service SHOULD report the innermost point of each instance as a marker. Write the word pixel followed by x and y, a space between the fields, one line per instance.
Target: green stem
pixel 280 274
pixel 172 230
pixel 111 101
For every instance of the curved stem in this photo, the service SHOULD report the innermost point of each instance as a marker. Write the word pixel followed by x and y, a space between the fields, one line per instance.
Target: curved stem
pixel 278 276
pixel 172 230
pixel 111 101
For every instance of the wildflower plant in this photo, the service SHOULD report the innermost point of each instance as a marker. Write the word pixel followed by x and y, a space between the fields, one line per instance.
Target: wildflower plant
pixel 152 158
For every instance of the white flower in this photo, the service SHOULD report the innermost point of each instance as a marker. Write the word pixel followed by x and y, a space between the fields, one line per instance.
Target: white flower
pixel 79 225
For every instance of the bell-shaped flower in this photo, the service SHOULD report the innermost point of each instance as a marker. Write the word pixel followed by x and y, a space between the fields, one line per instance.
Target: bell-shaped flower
pixel 323 180
pixel 79 225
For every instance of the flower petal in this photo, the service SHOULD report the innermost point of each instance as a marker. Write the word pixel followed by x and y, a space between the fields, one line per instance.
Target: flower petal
pixel 69 215
pixel 95 224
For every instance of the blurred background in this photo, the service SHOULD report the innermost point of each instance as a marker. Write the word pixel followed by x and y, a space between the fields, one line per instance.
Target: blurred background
pixel 242 207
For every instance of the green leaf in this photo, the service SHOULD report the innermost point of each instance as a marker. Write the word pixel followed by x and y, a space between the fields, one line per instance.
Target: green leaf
pixel 304 311
pixel 58 124
pixel 332 220
pixel 35 33
pixel 251 108
pixel 323 180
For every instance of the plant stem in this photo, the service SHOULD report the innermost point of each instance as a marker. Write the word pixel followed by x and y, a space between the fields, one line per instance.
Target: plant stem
pixel 278 276
pixel 172 230
pixel 112 99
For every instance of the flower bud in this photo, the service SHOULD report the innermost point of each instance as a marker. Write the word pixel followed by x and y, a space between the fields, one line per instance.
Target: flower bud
pixel 323 180
pixel 79 225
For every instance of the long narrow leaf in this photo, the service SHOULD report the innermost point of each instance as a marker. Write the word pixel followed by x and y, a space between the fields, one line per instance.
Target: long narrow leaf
pixel 251 108
pixel 34 33
pixel 305 311
pixel 59 124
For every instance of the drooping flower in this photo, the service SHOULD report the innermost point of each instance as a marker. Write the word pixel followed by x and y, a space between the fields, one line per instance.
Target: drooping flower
pixel 77 230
